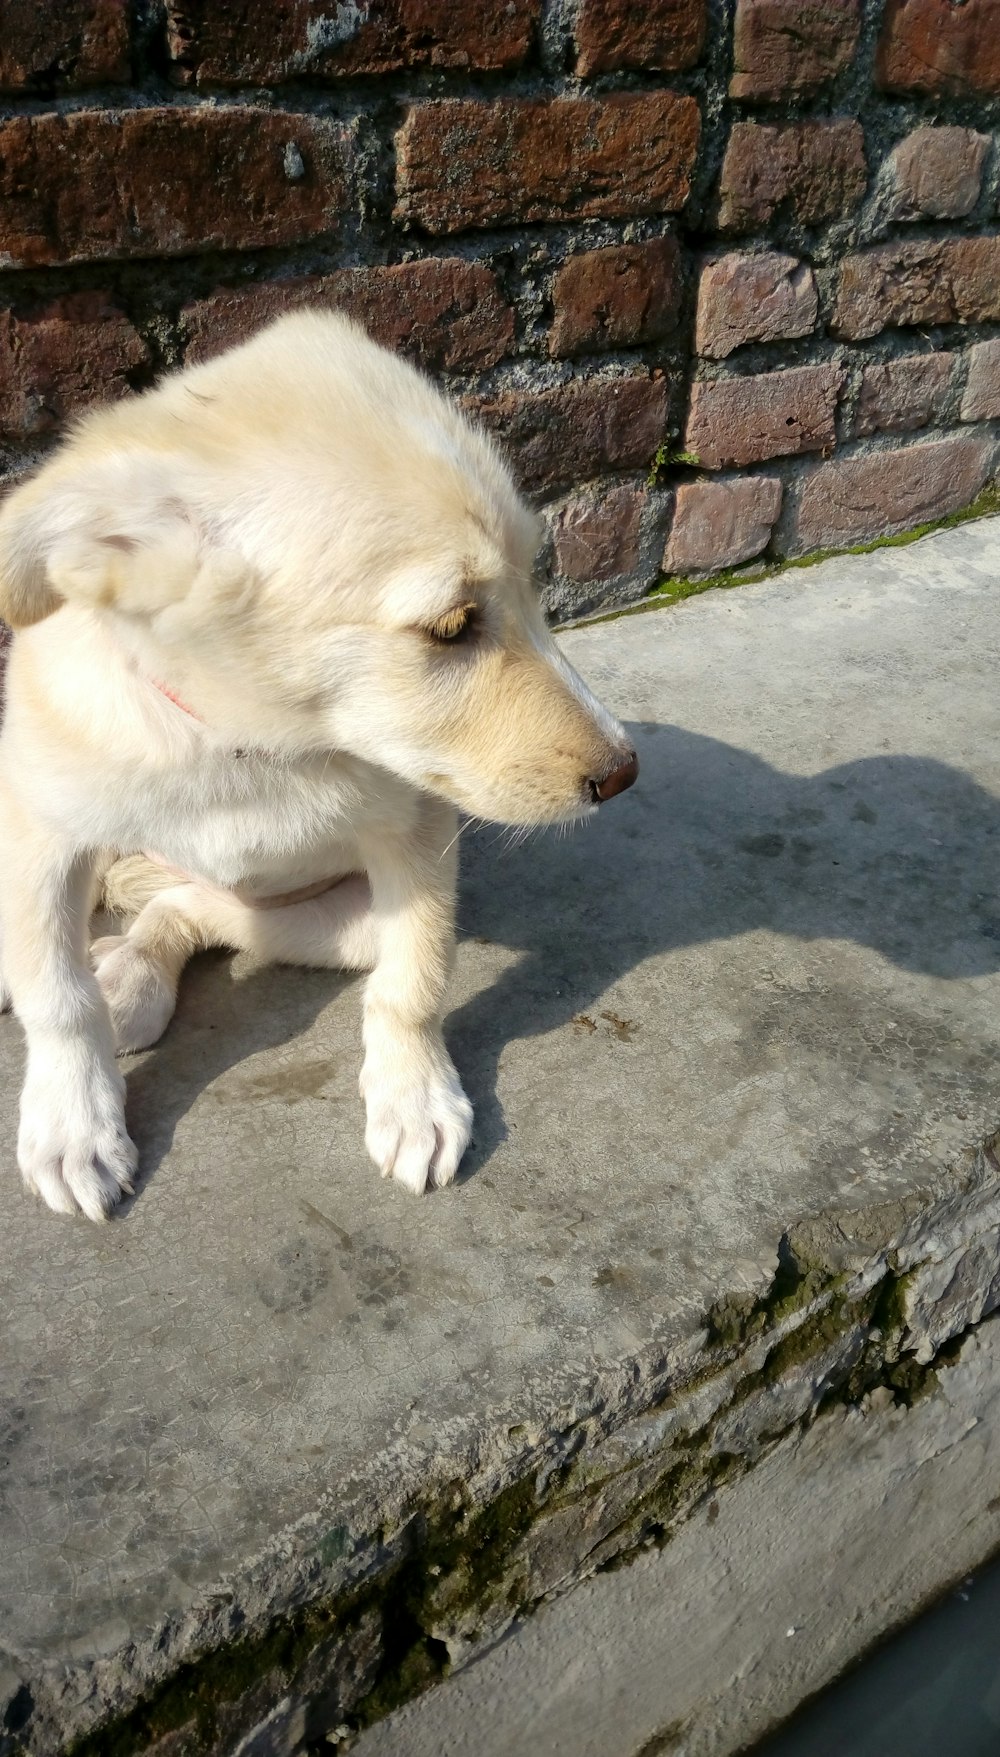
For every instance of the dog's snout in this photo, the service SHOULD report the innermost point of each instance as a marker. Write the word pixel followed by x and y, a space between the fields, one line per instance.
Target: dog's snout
pixel 621 776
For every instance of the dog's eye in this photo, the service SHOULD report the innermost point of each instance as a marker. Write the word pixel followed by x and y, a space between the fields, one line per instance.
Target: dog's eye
pixel 454 625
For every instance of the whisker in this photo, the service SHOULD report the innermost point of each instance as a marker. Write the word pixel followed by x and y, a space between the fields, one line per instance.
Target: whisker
pixel 451 844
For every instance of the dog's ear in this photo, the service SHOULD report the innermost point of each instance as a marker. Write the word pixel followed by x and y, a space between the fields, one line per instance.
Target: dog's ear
pixel 117 531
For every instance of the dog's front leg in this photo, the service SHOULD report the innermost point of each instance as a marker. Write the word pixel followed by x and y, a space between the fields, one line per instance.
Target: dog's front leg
pixel 419 1119
pixel 72 1147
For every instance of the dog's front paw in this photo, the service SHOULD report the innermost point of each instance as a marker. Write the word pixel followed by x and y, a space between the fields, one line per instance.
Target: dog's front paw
pixel 419 1122
pixel 140 997
pixel 72 1145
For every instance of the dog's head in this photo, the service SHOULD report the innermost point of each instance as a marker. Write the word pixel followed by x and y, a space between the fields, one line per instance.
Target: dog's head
pixel 316 550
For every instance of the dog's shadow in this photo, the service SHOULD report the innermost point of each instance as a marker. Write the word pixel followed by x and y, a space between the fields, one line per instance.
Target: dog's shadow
pixel 900 854
pixel 897 853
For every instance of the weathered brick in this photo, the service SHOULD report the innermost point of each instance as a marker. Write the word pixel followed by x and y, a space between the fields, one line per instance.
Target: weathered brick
pixel 63 48
pixel 616 298
pixel 945 47
pixel 925 281
pixel 164 182
pixel 936 173
pixel 447 313
pixel 981 401
pixel 784 48
pixel 903 394
pixel 595 536
pixel 774 414
pixel 744 299
pixel 79 350
pixel 466 163
pixel 850 500
pixel 255 42
pixel 612 34
pixel 577 430
pixel 718 524
pixel 816 169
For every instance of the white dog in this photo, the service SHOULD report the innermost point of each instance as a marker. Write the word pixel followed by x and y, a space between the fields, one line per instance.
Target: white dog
pixel 276 623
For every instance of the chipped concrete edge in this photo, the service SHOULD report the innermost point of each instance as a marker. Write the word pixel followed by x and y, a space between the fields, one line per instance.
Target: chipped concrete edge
pixel 394 1582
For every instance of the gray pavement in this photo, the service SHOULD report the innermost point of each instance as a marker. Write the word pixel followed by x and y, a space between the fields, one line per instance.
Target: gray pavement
pixel 762 988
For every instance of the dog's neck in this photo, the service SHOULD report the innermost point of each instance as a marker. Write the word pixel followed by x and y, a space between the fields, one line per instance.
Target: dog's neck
pixel 164 689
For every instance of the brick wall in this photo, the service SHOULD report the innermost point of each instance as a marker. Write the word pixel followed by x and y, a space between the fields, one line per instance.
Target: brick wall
pixel 725 280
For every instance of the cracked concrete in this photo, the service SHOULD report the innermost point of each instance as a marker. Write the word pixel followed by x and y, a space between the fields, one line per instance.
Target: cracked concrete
pixel 759 997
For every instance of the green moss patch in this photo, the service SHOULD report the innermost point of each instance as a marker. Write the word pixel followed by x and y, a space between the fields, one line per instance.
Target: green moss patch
pixel 675 589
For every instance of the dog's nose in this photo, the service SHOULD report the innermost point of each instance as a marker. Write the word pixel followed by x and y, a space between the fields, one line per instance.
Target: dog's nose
pixel 621 776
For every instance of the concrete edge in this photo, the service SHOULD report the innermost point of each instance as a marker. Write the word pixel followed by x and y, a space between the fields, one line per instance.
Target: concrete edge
pixel 375 1598
pixel 670 590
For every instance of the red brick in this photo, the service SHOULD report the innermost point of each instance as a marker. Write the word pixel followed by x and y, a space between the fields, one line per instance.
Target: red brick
pixel 981 401
pixel 945 47
pixel 577 430
pixel 925 281
pixel 936 173
pixel 616 298
pixel 164 182
pixel 65 47
pixel 596 535
pixel 816 169
pixel 464 163
pixel 255 42
pixel 850 500
pixel 744 299
pixel 664 37
pixel 79 350
pixel 718 524
pixel 903 394
pixel 785 48
pixel 775 414
pixel 448 314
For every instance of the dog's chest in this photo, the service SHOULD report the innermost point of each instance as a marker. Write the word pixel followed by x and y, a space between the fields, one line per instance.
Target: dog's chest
pixel 249 821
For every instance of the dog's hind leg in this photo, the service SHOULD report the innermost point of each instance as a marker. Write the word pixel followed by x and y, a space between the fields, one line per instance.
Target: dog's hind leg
pixel 138 971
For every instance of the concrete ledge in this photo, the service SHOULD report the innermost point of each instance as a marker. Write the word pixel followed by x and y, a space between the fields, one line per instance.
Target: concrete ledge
pixel 283 1446
pixel 844 1527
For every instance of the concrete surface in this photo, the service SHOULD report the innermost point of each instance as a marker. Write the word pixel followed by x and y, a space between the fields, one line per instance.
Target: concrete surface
pixel 933 1687
pixel 281 1442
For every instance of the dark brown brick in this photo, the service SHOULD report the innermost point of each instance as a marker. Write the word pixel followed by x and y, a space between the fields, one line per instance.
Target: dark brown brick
pixel 850 500
pixel 786 48
pixel 944 47
pixel 815 169
pixel 903 394
pixel 448 314
pixel 616 298
pixel 79 350
pixel 165 182
pixel 742 299
pixel 664 37
pixel 66 47
pixel 719 524
pixel 577 430
pixel 925 281
pixel 465 163
pixel 595 536
pixel 936 173
pixel 255 42
pixel 981 401
pixel 774 414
